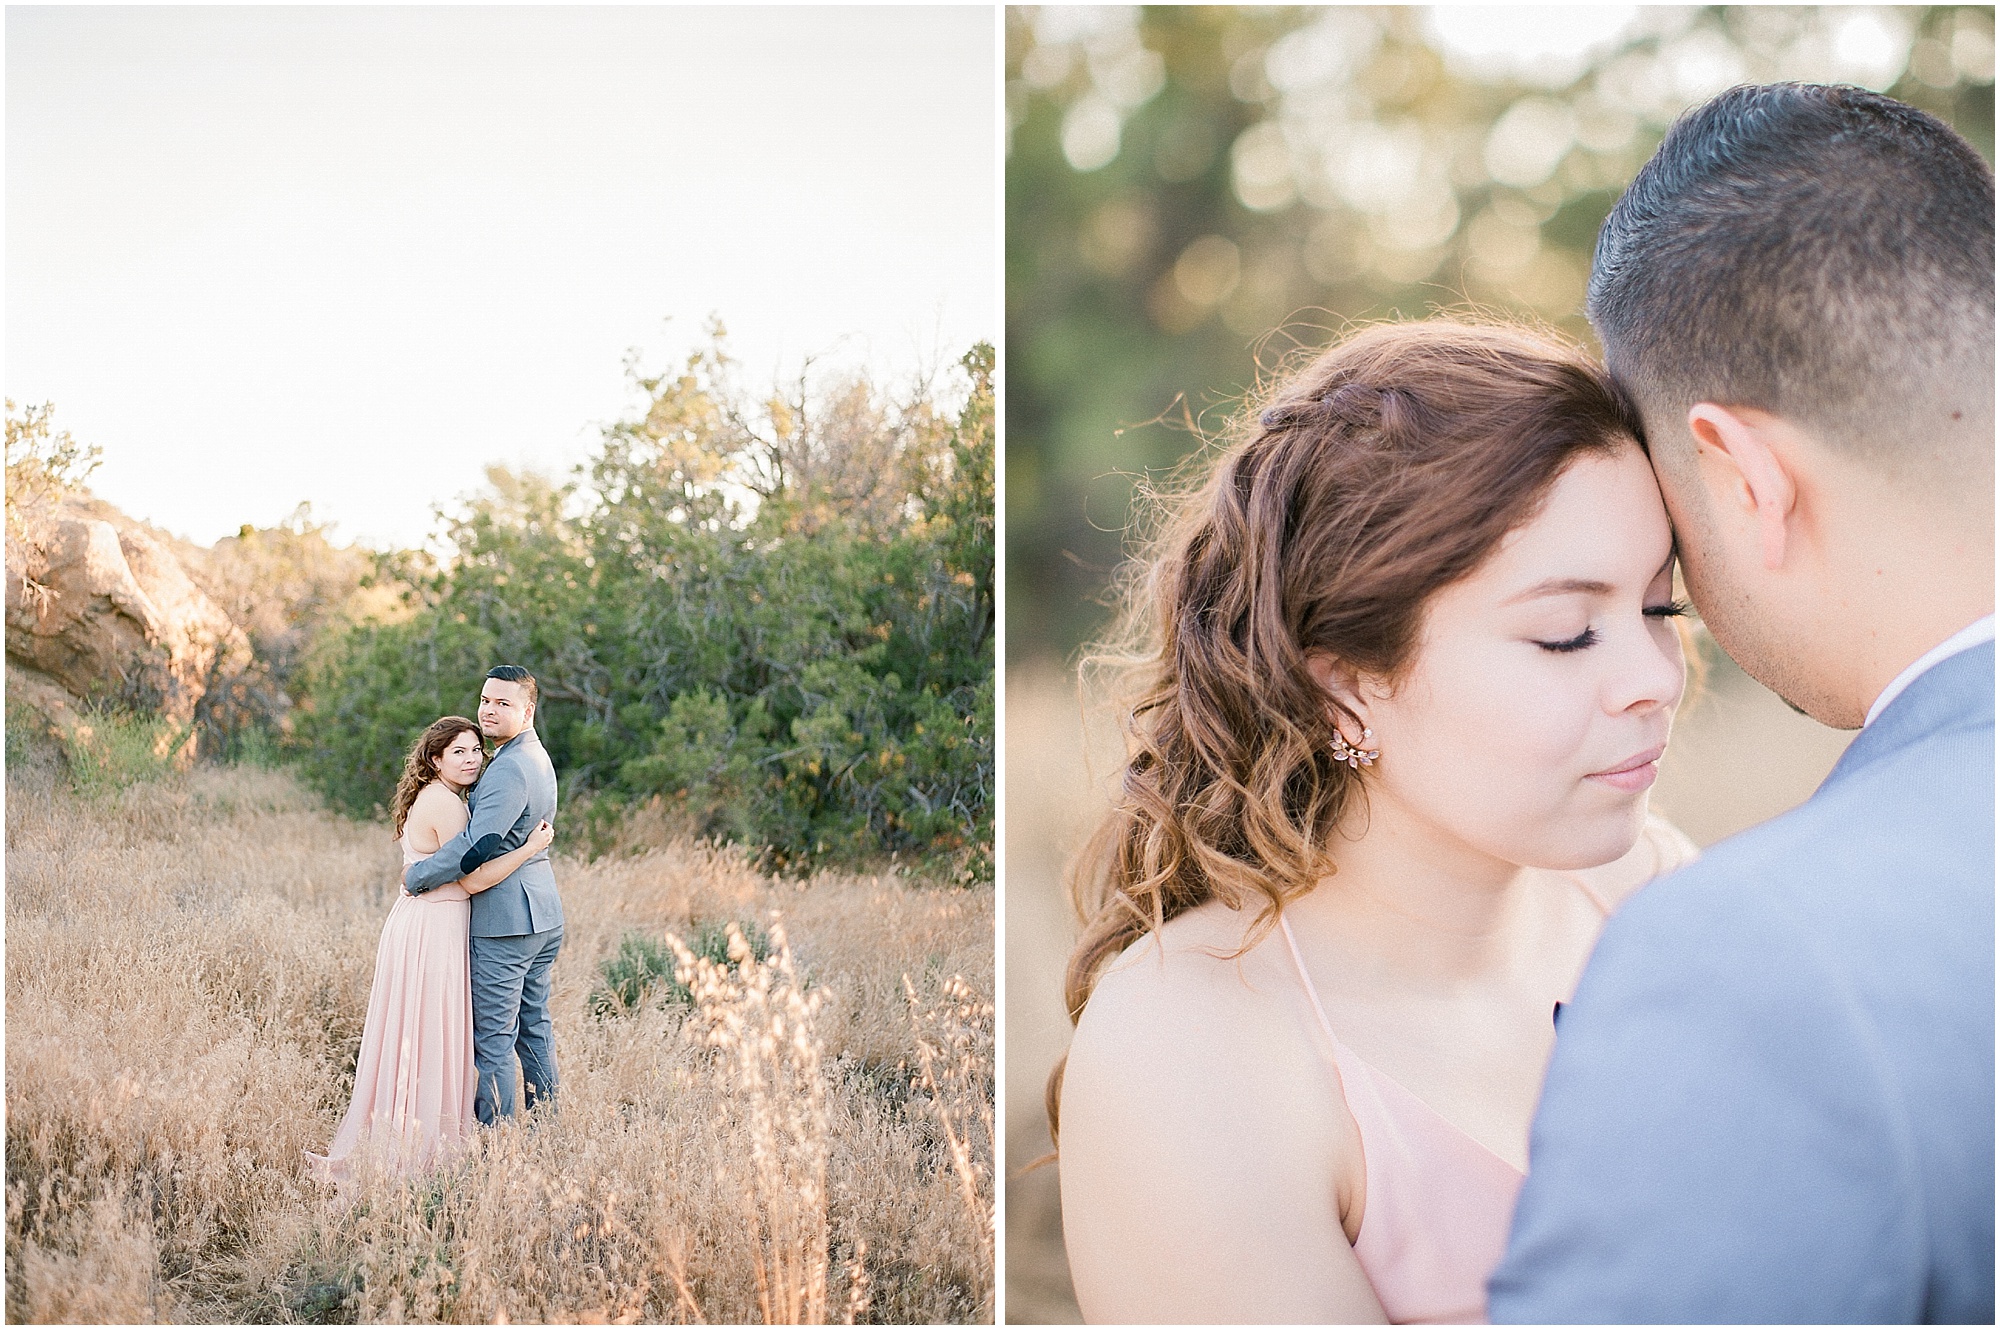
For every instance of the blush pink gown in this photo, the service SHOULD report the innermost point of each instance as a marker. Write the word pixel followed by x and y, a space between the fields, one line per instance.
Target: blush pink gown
pixel 414 1080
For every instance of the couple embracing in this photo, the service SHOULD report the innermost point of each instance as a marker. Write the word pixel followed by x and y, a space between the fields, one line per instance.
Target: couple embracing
pixel 462 974
pixel 1394 1001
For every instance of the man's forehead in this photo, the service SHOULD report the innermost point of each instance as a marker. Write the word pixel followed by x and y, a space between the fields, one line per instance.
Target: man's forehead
pixel 499 690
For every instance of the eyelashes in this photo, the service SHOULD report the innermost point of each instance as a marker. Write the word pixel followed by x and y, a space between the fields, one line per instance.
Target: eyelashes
pixel 1588 637
pixel 1673 609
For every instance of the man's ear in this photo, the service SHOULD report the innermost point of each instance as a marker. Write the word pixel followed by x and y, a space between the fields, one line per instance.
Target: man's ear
pixel 1343 686
pixel 1746 458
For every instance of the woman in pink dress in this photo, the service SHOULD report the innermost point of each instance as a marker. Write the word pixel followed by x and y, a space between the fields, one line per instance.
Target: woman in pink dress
pixel 1401 674
pixel 414 1080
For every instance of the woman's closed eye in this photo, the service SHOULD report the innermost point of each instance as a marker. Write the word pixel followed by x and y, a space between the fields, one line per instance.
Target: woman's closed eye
pixel 1672 609
pixel 1586 638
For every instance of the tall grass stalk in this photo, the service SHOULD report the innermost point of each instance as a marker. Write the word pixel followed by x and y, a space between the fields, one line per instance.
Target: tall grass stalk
pixel 760 1023
pixel 954 1036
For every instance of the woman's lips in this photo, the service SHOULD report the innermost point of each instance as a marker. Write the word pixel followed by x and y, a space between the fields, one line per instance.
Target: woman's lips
pixel 1635 773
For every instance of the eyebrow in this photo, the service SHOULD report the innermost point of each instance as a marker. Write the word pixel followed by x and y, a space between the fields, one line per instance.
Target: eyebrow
pixel 1561 586
pixel 1574 586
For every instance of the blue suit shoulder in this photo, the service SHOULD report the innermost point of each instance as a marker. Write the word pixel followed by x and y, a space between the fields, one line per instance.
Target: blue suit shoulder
pixel 1772 1098
pixel 1891 840
pixel 1897 844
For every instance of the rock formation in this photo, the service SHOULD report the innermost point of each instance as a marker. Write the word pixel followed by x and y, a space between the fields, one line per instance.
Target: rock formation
pixel 103 608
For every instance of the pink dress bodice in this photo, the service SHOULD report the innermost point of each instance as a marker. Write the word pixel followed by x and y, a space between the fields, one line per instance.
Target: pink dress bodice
pixel 450 891
pixel 1438 1203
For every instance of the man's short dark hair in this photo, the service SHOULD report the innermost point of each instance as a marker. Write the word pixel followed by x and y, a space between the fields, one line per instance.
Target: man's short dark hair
pixel 515 674
pixel 1821 253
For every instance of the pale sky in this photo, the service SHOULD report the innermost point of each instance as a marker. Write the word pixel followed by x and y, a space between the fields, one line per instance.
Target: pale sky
pixel 351 256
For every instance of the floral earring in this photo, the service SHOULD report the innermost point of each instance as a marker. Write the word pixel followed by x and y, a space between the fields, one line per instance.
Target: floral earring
pixel 1356 756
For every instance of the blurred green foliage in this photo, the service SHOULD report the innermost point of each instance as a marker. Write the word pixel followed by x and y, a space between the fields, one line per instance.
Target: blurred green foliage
pixel 644 967
pixel 1181 182
pixel 109 748
pixel 776 616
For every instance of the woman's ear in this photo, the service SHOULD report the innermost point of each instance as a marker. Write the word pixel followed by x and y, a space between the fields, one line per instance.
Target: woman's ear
pixel 1347 702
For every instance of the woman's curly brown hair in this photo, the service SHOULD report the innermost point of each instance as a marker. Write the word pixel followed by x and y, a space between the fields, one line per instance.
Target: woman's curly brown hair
pixel 1384 470
pixel 420 767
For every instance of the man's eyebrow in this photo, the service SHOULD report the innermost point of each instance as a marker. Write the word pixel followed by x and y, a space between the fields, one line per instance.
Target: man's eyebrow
pixel 1561 586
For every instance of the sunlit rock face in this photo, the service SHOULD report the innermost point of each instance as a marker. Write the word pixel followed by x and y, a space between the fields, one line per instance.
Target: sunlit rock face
pixel 105 610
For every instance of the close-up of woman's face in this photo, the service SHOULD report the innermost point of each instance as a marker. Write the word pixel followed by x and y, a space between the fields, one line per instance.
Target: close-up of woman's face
pixel 459 764
pixel 1531 723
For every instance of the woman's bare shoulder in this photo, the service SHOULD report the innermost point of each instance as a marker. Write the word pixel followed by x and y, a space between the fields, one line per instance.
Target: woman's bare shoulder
pixel 1207 1156
pixel 1191 1005
pixel 1198 958
pixel 437 795
pixel 436 809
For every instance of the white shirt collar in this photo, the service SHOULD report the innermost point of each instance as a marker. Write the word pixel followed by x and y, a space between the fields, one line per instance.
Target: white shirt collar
pixel 1972 635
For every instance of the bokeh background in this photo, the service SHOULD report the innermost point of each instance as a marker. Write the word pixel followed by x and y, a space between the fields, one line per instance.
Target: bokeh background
pixel 1194 192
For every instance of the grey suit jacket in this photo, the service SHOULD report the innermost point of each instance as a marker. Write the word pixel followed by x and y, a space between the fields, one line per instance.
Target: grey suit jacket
pixel 1772 1099
pixel 516 791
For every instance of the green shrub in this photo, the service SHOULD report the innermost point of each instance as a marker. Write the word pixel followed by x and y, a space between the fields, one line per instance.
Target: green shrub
pixel 640 966
pixel 644 967
pixel 23 724
pixel 108 749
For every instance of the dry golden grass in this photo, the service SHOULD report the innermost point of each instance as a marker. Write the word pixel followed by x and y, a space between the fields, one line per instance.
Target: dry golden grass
pixel 188 964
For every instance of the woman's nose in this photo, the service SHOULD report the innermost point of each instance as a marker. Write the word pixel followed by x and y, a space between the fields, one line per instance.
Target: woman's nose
pixel 1651 673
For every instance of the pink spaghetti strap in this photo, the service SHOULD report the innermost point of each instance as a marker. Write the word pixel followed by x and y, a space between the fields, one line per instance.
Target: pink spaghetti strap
pixel 1434 1221
pixel 1299 964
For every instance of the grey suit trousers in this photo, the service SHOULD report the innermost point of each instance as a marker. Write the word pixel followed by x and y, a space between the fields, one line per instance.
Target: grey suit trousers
pixel 510 1019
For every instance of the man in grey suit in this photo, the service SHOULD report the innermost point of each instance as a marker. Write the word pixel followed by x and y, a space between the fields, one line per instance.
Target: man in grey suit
pixel 1772 1098
pixel 517 924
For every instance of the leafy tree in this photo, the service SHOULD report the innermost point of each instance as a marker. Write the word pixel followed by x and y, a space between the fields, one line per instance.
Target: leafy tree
pixel 775 617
